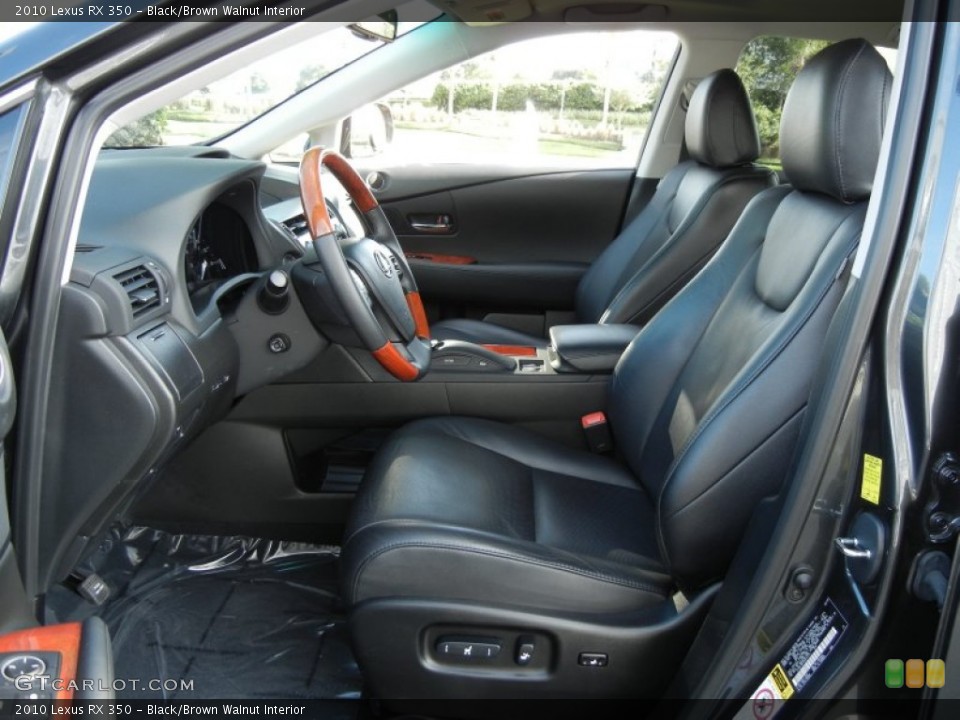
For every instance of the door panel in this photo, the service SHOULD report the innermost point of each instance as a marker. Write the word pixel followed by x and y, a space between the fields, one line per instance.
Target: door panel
pixel 14 610
pixel 535 217
pixel 492 239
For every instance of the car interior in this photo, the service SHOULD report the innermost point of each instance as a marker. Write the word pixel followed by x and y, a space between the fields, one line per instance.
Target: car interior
pixel 345 428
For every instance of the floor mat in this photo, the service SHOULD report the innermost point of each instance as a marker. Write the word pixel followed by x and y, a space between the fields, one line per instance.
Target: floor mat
pixel 242 618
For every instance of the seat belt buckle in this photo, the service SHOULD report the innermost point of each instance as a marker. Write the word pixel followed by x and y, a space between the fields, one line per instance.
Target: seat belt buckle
pixel 597 432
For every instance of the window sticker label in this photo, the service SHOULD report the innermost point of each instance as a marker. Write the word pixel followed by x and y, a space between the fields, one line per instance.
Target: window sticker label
pixel 872 471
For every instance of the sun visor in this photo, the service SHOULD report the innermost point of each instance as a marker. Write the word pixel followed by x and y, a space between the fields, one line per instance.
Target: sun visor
pixel 487 12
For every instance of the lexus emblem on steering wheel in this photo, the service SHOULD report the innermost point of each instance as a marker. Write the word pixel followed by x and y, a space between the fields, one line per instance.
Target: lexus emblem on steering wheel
pixel 384 262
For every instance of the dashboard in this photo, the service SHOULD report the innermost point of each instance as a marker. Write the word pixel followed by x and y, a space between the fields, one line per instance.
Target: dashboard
pixel 160 317
pixel 218 247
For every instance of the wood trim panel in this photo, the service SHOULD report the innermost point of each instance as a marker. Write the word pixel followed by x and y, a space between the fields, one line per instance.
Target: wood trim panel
pixel 395 363
pixel 442 259
pixel 419 314
pixel 512 350
pixel 63 639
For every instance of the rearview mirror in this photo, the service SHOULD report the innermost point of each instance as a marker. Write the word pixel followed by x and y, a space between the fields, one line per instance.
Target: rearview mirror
pixel 367 132
pixel 383 27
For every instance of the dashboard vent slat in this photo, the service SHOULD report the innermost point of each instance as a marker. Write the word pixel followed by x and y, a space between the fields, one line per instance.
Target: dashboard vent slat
pixel 141 287
pixel 297 225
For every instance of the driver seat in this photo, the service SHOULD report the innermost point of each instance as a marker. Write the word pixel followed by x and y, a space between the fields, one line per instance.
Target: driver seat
pixel 558 568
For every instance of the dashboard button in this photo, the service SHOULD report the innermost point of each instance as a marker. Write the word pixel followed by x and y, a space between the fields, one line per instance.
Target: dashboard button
pixel 592 659
pixel 278 343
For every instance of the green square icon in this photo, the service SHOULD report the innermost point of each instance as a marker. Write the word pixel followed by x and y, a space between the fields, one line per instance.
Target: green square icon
pixel 893 673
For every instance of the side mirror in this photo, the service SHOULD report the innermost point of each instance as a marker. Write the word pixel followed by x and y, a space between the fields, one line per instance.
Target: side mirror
pixel 367 132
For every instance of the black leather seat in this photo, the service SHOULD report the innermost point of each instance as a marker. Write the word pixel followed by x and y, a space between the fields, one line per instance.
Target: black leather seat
pixel 705 407
pixel 690 214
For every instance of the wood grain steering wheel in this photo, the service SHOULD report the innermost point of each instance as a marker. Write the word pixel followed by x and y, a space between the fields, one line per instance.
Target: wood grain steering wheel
pixel 369 276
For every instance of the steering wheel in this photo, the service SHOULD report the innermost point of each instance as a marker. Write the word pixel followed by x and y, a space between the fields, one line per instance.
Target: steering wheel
pixel 369 276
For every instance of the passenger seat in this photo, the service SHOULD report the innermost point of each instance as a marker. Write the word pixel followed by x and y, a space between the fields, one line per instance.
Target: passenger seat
pixel 692 211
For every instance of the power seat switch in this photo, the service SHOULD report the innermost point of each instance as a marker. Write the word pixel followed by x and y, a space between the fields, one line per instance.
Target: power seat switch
pixel 592 659
pixel 525 650
pixel 467 650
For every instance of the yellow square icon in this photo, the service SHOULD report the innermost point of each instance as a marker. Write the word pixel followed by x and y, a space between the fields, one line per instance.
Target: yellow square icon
pixel 914 673
pixel 935 673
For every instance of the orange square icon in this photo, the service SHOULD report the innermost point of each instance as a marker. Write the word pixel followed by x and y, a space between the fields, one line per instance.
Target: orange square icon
pixel 914 673
pixel 935 673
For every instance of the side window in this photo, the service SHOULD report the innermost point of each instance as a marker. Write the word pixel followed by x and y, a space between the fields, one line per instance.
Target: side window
pixel 10 123
pixel 768 66
pixel 11 128
pixel 582 99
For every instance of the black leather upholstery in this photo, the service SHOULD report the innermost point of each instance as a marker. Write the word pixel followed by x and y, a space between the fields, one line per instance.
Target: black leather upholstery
pixel 720 128
pixel 464 508
pixel 481 332
pixel 705 406
pixel 832 145
pixel 589 348
pixel 688 217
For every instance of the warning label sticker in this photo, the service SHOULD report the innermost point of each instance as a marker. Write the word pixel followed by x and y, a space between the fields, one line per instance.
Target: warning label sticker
pixel 872 473
pixel 767 699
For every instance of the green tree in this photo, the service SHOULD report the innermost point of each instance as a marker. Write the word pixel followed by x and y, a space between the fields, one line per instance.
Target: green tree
pixel 309 75
pixel 767 67
pixel 467 96
pixel 441 93
pixel 584 96
pixel 258 84
pixel 145 132
pixel 513 97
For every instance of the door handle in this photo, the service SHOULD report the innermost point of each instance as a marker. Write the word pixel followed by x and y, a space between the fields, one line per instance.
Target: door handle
pixel 435 224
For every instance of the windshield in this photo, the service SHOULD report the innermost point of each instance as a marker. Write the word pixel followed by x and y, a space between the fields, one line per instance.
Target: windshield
pixel 222 106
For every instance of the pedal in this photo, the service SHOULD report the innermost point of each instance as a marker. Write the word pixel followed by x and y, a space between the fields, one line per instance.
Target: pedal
pixel 94 588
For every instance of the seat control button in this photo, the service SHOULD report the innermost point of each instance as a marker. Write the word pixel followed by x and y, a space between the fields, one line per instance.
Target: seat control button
pixel 525 650
pixel 468 650
pixel 592 659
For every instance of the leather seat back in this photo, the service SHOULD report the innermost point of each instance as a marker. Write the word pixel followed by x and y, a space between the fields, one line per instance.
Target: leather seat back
pixel 692 211
pixel 707 401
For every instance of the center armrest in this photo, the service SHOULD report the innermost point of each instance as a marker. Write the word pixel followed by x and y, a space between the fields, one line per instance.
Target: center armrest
pixel 589 347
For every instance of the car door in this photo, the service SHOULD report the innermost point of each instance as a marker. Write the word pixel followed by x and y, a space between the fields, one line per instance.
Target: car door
pixel 13 611
pixel 508 174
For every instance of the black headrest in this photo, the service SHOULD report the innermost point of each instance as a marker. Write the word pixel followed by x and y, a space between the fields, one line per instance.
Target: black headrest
pixel 720 128
pixel 833 120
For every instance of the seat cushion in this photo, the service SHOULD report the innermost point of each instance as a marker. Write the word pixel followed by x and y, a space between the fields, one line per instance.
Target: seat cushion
pixel 468 509
pixel 477 331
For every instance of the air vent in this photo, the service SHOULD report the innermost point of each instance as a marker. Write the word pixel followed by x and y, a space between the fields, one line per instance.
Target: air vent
pixel 80 248
pixel 141 287
pixel 297 225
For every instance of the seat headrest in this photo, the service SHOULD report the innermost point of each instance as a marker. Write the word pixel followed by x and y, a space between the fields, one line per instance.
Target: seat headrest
pixel 833 121
pixel 720 128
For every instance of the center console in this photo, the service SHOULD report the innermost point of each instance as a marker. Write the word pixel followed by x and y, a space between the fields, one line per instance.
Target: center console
pixel 584 349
